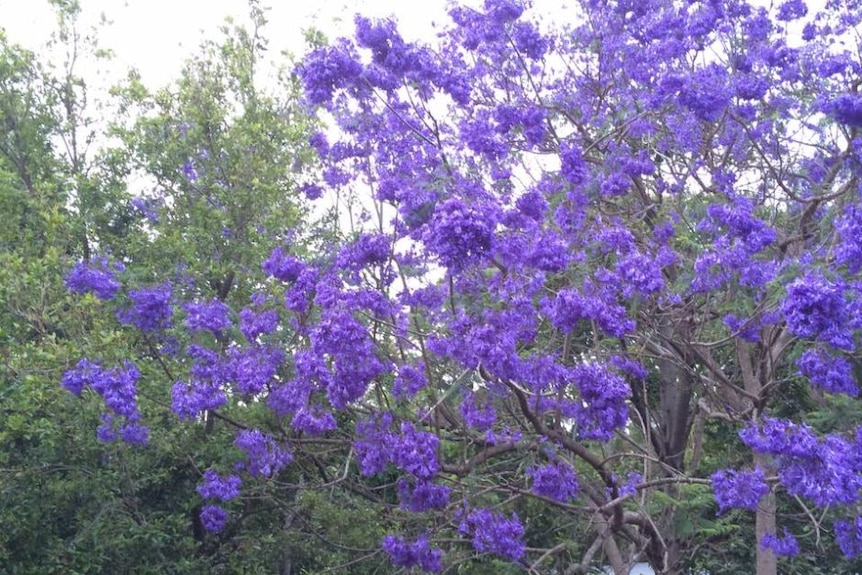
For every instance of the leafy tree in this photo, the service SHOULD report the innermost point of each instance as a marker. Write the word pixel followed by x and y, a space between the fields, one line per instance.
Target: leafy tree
pixel 68 502
pixel 602 286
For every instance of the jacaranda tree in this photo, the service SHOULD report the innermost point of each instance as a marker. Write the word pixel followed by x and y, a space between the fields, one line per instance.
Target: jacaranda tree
pixel 597 270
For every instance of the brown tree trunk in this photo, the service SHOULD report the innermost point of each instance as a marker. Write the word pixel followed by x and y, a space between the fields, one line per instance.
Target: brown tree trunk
pixel 764 522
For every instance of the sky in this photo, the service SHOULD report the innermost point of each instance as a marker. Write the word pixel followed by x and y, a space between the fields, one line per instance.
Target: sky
pixel 156 36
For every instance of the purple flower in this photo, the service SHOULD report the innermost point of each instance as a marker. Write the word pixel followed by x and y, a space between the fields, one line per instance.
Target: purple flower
pixel 311 191
pixel 134 434
pixel 409 381
pixel 149 207
pixel 189 400
pixel 603 401
pixel 415 554
pixel 212 315
pixel 283 266
pixel 630 486
pixel 151 308
pixel 792 10
pixel 118 389
pixel 374 444
pixel 555 480
pixel 83 374
pixel 189 171
pixel 848 250
pixel 706 93
pixel 815 308
pixel 831 373
pixel 264 456
pixel 254 367
pixel 460 235
pixel 215 486
pixel 572 165
pixel 367 250
pixel 420 496
pixel 494 533
pixel 478 413
pixel 255 323
pixel 849 536
pixel 326 70
pixel 214 518
pixel 96 277
pixel 847 109
pixel 786 546
pixel 529 41
pixel 314 421
pixel 742 489
pixel 416 452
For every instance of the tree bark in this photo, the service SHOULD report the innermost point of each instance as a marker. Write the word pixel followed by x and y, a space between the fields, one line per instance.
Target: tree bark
pixel 764 522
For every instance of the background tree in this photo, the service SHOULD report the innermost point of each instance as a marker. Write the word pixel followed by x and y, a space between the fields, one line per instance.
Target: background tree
pixel 70 503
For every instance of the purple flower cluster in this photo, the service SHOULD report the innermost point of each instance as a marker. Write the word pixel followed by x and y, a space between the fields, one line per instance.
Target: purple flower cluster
pixel 786 546
pixel 253 367
pixel 313 420
pixel 283 266
pixel 815 308
pixel 604 394
pixel 97 277
pixel 354 363
pixel 264 456
pixel 847 109
pixel 374 444
pixel 571 306
pixel 205 390
pixel 253 323
pixel 328 69
pixel 118 388
pixel 848 534
pixel 212 315
pixel 215 486
pixel 848 250
pixel 494 533
pixel 409 381
pixel 419 496
pixel 826 471
pixel 478 413
pixel 460 235
pixel 829 372
pixel 214 518
pixel 415 452
pixel 738 489
pixel 149 207
pixel 151 308
pixel 556 481
pixel 416 554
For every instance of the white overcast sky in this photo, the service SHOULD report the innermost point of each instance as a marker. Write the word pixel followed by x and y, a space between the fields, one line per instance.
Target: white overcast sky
pixel 155 36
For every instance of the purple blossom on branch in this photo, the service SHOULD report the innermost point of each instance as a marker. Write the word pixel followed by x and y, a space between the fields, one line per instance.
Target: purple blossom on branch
pixel 264 456
pixel 97 277
pixel 212 315
pixel 815 308
pixel 849 536
pixel 555 480
pixel 215 486
pixel 416 554
pixel 214 518
pixel 151 308
pixel 738 489
pixel 494 533
pixel 786 546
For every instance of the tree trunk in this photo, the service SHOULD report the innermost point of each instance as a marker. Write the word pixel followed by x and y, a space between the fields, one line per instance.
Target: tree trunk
pixel 764 522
